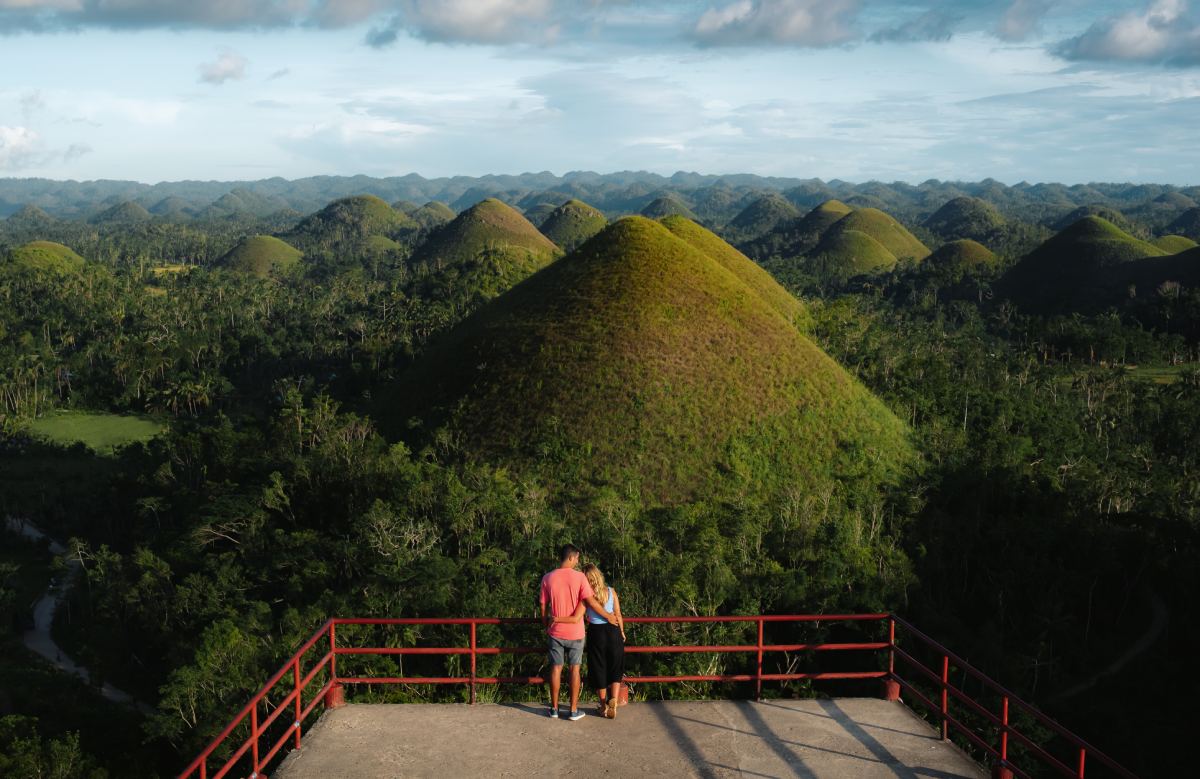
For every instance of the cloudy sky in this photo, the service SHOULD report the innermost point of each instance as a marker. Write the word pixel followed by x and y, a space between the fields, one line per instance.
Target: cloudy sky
pixel 1037 90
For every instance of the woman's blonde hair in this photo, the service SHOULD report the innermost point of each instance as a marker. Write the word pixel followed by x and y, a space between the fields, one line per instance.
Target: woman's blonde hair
pixel 596 579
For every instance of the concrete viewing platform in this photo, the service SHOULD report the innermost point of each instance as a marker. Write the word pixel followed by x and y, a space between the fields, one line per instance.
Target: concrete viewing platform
pixel 849 737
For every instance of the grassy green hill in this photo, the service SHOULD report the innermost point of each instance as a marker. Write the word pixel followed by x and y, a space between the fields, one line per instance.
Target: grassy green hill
pixel 1077 269
pixel 46 255
pixel 29 216
pixel 122 213
pixel 643 362
pixel 956 259
pixel 668 205
pixel 539 213
pixel 1188 224
pixel 965 217
pixel 764 215
pixel 845 253
pixel 890 234
pixel 1174 244
pixel 484 251
pixel 1111 215
pixel 261 255
pixel 572 223
pixel 350 220
pixel 433 214
pixel 793 239
pixel 741 266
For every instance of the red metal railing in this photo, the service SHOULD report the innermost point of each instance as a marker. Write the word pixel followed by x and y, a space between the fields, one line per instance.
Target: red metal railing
pixel 301 679
pixel 1084 754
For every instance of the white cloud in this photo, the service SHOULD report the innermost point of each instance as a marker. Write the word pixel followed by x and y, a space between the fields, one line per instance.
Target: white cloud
pixel 20 147
pixel 1163 33
pixel 472 21
pixel 1021 19
pixel 229 66
pixel 780 22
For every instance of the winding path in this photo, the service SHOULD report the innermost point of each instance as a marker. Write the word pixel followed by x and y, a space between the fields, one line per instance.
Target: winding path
pixel 39 638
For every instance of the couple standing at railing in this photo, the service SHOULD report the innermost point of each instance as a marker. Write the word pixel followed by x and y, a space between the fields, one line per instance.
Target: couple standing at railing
pixel 570 598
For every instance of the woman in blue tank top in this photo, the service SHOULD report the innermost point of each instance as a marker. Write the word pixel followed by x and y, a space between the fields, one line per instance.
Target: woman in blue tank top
pixel 605 644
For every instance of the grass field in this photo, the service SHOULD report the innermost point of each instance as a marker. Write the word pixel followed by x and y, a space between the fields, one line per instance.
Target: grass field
pixel 99 431
pixel 170 269
pixel 1162 374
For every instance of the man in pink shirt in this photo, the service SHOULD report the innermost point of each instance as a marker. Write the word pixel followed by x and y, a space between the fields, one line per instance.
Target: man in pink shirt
pixel 563 589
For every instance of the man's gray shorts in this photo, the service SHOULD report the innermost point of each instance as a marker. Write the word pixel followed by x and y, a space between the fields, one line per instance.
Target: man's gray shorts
pixel 573 650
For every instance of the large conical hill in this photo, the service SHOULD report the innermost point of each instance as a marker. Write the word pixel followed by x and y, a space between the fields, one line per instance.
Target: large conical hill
pixel 261 255
pixel 747 271
pixel 572 223
pixel 46 256
pixel 965 217
pixel 648 364
pixel 1076 268
pixel 890 234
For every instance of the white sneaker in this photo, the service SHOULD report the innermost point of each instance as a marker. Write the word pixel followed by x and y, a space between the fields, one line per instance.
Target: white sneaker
pixel 575 715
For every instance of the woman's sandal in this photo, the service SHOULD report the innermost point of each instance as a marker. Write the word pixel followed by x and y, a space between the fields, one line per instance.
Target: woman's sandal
pixel 610 711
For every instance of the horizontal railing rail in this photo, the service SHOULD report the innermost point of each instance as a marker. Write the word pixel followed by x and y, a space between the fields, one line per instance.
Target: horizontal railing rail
pixel 301 678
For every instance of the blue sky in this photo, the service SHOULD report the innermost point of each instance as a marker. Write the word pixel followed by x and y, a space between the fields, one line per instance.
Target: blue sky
pixel 1036 90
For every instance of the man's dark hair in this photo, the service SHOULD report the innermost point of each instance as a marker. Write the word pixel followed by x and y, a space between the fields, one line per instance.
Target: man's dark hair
pixel 567 552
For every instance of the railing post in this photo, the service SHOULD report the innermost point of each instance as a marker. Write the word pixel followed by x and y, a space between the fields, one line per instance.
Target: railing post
pixel 335 698
pixel 758 672
pixel 472 663
pixel 254 740
pixel 891 687
pixel 299 700
pixel 1082 761
pixel 945 696
pixel 1001 769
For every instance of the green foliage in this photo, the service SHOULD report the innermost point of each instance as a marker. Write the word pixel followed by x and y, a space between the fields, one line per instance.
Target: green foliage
pixel 668 205
pixel 25 755
pixel 122 213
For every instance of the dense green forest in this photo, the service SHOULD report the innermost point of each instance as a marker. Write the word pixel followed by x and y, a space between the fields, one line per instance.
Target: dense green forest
pixel 240 420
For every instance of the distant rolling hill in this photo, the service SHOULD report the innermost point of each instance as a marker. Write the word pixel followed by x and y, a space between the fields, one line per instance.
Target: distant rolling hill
pixel 649 365
pixel 349 221
pixel 261 255
pixel 1187 225
pixel 865 241
pixel 1174 244
pixel 1080 268
pixel 765 214
pixel 965 217
pixel 432 215
pixel 483 251
pixel 572 223
pixel 667 205
pixel 122 213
